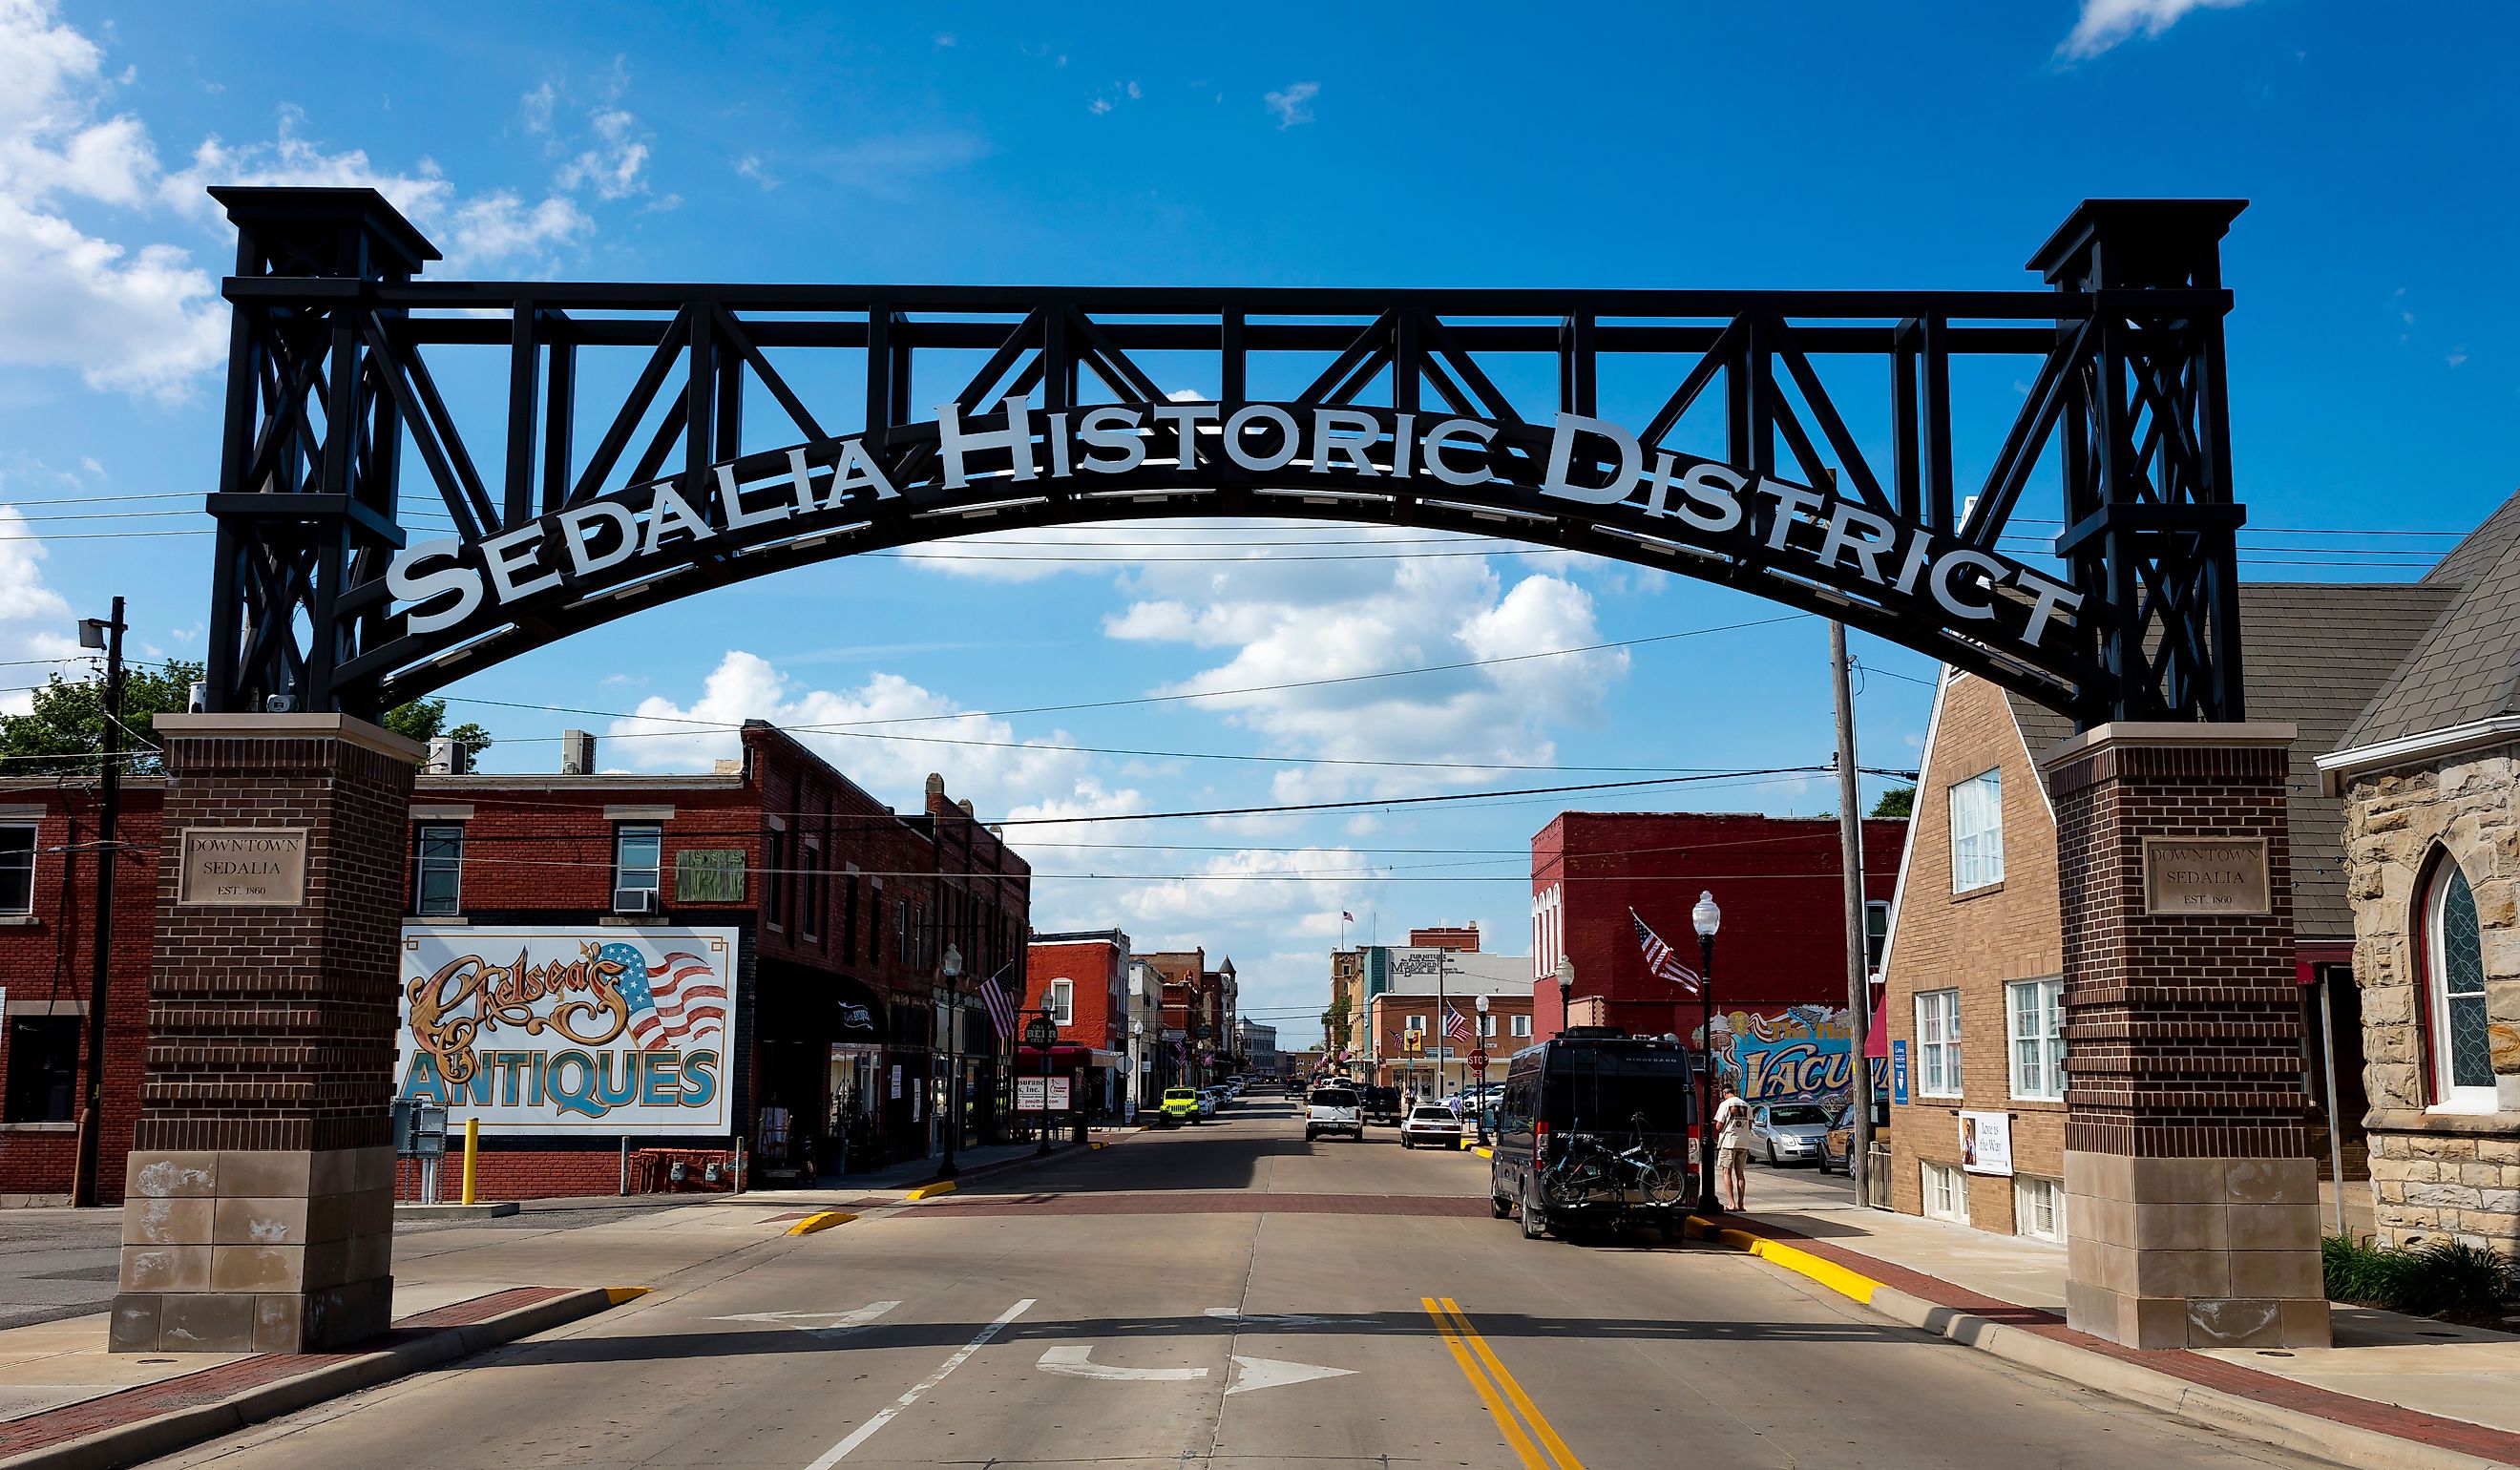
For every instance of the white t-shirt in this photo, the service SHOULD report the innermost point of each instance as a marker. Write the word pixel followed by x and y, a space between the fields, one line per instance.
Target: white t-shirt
pixel 1733 1124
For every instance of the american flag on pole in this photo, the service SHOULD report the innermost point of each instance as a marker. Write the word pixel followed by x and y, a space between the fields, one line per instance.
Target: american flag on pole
pixel 679 998
pixel 1660 958
pixel 1456 1026
pixel 1001 1005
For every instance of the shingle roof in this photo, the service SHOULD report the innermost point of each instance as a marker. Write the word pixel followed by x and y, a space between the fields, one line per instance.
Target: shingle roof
pixel 2467 665
pixel 2313 654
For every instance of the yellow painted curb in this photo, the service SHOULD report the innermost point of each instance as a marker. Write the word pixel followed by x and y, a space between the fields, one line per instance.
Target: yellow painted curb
pixel 1828 1274
pixel 1485 1153
pixel 820 1220
pixel 1098 1143
pixel 931 1191
pixel 620 1293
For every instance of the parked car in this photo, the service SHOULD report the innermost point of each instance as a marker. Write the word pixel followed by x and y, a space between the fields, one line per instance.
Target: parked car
pixel 1382 1104
pixel 1333 1110
pixel 1838 1146
pixel 1181 1105
pixel 1209 1101
pixel 1788 1133
pixel 1618 1092
pixel 1431 1124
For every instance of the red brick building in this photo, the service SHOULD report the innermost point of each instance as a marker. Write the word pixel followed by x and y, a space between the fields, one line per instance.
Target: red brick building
pixel 1083 979
pixel 839 910
pixel 1199 1013
pixel 48 877
pixel 1782 944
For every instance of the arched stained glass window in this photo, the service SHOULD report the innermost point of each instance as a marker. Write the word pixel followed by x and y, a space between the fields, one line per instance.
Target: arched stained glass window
pixel 2462 1071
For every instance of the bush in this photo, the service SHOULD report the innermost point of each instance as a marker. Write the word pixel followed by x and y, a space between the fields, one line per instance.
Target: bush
pixel 2443 1277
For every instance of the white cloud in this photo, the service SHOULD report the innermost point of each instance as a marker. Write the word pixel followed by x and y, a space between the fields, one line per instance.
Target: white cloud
pixel 997 776
pixel 34 619
pixel 1294 105
pixel 2104 23
pixel 750 166
pixel 613 164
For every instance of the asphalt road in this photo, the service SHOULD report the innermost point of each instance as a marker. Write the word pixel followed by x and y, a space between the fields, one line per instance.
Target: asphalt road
pixel 1230 1294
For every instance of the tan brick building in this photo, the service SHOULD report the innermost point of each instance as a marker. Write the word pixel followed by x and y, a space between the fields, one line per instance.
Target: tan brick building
pixel 1973 973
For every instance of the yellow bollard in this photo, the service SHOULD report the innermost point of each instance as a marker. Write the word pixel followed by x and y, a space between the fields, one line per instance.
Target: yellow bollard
pixel 472 1154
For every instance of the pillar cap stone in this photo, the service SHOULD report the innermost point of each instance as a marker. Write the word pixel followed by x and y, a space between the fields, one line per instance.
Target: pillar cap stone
pixel 2224 734
pixel 245 727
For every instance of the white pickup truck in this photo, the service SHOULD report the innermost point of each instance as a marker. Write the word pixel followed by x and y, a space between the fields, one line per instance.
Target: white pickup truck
pixel 1333 1110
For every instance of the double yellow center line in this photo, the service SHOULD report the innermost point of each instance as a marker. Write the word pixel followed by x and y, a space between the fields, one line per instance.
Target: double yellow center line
pixel 1506 1402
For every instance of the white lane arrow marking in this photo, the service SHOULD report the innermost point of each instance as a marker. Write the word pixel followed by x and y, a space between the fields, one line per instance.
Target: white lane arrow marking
pixel 819 1324
pixel 1254 1373
pixel 1078 1362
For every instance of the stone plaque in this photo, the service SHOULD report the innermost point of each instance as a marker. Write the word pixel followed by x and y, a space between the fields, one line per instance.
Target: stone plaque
pixel 2205 876
pixel 244 865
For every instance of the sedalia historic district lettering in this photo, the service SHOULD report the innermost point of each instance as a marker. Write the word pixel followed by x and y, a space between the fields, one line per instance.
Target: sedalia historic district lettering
pixel 1023 451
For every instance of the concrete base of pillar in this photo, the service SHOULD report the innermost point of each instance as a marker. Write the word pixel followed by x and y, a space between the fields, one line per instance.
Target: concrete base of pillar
pixel 256 1250
pixel 2195 1253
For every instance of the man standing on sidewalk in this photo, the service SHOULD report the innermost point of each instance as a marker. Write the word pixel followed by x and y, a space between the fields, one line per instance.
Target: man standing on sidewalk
pixel 1732 1145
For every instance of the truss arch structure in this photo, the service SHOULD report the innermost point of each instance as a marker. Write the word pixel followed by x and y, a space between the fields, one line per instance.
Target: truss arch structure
pixel 371 549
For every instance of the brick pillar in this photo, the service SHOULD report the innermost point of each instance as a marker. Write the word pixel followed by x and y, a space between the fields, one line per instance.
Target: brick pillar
pixel 2192 1201
pixel 259 1204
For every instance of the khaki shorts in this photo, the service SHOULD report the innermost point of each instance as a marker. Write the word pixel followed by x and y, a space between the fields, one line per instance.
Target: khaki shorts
pixel 1732 1158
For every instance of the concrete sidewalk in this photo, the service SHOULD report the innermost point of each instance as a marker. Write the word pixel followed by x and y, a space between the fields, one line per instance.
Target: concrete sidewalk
pixel 890 1185
pixel 2447 1392
pixel 65 1401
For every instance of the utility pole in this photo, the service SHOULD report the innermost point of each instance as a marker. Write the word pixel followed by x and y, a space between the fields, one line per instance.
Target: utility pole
pixel 101 971
pixel 1850 857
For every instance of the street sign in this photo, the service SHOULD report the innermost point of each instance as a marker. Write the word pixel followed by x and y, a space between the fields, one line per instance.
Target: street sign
pixel 1039 1031
pixel 1478 1058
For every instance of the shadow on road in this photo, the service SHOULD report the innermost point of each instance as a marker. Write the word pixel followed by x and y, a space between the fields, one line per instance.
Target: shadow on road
pixel 783 1343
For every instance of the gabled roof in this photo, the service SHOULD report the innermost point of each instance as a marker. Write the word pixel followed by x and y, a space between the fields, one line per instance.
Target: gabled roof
pixel 2467 666
pixel 2312 654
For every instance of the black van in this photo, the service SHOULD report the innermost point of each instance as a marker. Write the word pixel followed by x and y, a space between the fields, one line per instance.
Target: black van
pixel 1594 1083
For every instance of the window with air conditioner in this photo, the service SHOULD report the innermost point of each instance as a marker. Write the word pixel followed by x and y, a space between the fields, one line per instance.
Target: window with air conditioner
pixel 1977 831
pixel 638 864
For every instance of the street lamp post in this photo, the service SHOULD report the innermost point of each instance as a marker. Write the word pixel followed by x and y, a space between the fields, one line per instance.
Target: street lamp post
pixel 1707 918
pixel 1565 994
pixel 952 969
pixel 1043 1034
pixel 1138 1067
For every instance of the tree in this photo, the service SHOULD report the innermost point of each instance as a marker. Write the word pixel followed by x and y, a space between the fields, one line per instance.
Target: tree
pixel 1334 1024
pixel 424 719
pixel 65 730
pixel 1898 801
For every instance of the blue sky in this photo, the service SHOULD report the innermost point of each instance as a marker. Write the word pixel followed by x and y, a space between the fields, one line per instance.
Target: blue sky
pixel 1822 145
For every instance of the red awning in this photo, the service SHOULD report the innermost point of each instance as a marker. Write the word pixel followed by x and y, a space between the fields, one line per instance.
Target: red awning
pixel 1064 1055
pixel 2308 957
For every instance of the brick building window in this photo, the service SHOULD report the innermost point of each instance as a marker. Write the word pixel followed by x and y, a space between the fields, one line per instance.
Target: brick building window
pixel 1977 831
pixel 17 868
pixel 2461 1064
pixel 43 1069
pixel 849 917
pixel 2033 1027
pixel 437 865
pixel 2037 1208
pixel 1876 931
pixel 1062 1001
pixel 1946 1193
pixel 774 887
pixel 809 909
pixel 1938 1043
pixel 1522 1025
pixel 637 864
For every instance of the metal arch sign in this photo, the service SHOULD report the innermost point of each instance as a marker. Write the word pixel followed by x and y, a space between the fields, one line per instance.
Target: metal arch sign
pixel 1579 479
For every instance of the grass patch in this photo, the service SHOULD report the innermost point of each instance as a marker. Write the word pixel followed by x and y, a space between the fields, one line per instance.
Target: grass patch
pixel 2442 1278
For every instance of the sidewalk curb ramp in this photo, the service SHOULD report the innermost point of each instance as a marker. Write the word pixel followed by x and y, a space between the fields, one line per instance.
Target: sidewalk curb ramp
pixel 2265 1423
pixel 185 1427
